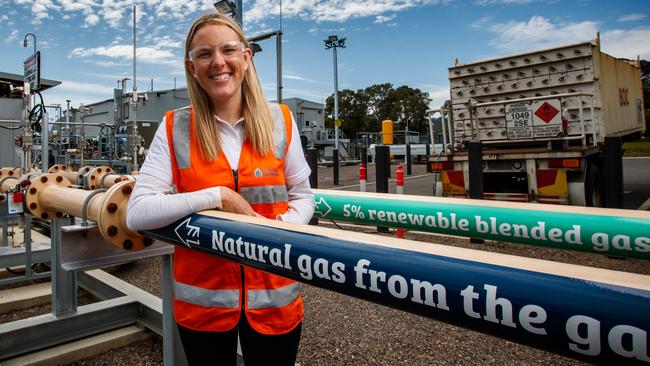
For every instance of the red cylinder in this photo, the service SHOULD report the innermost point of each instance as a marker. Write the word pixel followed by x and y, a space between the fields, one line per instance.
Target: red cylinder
pixel 399 176
pixel 362 172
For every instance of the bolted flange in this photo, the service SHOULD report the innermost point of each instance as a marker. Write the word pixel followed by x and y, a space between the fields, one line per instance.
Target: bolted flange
pixel 37 186
pixel 95 176
pixel 112 219
pixel 59 168
pixel 9 172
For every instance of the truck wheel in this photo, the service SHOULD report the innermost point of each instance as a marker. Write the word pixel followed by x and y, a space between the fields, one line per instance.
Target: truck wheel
pixel 593 186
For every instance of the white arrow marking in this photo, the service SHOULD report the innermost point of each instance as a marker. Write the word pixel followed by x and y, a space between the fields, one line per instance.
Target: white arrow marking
pixel 318 207
pixel 192 232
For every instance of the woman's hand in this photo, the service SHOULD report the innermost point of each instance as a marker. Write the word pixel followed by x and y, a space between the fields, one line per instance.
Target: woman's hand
pixel 231 201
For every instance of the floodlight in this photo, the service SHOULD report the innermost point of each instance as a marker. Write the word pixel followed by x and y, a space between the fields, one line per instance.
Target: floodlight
pixel 255 47
pixel 225 7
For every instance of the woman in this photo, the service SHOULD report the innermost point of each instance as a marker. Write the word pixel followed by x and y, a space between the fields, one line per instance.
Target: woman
pixel 233 151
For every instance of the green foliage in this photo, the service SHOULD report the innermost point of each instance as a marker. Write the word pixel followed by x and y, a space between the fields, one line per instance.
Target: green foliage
pixel 637 148
pixel 352 111
pixel 363 110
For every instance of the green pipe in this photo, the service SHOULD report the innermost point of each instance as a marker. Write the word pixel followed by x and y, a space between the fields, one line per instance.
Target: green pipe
pixel 620 233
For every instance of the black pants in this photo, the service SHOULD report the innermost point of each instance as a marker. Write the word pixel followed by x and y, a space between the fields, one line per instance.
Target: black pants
pixel 220 348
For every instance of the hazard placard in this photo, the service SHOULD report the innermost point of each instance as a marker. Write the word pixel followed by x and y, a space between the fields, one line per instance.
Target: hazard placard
pixel 547 119
pixel 519 121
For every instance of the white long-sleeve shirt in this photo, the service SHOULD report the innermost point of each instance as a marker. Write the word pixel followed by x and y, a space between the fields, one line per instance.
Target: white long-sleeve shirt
pixel 152 205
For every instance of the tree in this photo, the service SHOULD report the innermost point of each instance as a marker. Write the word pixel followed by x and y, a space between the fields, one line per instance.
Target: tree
pixel 379 105
pixel 365 109
pixel 410 107
pixel 352 112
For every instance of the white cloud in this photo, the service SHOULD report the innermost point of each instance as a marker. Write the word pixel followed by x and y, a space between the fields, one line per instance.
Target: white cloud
pixel 85 88
pixel 78 93
pixel 144 54
pixel 40 10
pixel 293 76
pixel 631 17
pixel 13 37
pixel 503 2
pixel 539 32
pixel 384 19
pixel 482 22
pixel 84 6
pixel 627 43
pixel 91 20
pixel 438 94
pixel 332 10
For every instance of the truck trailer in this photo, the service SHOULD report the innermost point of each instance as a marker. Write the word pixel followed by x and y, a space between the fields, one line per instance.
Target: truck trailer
pixel 541 120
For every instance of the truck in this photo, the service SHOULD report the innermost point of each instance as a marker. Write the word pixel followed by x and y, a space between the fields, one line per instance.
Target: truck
pixel 398 152
pixel 541 121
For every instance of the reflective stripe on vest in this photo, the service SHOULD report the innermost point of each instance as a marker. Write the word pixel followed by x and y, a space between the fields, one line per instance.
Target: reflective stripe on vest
pixel 279 132
pixel 264 194
pixel 276 298
pixel 182 137
pixel 208 298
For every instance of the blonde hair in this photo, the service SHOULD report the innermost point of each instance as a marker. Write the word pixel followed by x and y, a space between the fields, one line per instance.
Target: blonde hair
pixel 258 118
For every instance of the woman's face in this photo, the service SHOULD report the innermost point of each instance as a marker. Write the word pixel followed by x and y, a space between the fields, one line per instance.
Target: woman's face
pixel 218 61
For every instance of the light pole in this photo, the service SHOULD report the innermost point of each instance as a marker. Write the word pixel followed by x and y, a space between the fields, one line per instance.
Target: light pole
pixel 25 40
pixel 278 53
pixel 334 42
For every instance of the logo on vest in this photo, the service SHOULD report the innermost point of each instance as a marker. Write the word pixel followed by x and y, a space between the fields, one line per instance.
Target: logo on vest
pixel 265 172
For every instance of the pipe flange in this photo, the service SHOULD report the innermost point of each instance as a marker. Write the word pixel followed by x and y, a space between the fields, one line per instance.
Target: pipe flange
pixel 33 192
pixel 8 172
pixel 59 168
pixel 95 176
pixel 5 185
pixel 83 173
pixel 112 219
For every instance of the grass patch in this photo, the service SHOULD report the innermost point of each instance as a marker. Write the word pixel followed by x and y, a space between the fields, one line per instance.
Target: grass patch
pixel 637 148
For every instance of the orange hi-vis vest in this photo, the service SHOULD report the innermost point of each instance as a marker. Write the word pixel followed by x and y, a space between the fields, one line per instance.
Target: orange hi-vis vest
pixel 210 292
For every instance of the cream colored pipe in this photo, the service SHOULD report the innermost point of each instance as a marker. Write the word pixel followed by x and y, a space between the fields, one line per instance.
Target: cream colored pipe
pixel 50 197
pixel 71 201
pixel 109 180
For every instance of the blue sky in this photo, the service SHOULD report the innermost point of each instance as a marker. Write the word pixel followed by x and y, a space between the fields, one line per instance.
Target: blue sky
pixel 86 44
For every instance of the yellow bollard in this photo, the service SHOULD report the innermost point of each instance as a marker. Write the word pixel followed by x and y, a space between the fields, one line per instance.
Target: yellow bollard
pixel 387 132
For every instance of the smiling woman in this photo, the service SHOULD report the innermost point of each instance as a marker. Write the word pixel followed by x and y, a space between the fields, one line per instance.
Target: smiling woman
pixel 229 150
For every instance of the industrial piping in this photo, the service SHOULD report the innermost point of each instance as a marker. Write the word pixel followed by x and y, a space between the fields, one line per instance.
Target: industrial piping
pixel 614 232
pixel 49 197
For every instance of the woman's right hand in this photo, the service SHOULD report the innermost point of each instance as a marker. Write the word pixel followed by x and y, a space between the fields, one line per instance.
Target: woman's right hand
pixel 231 201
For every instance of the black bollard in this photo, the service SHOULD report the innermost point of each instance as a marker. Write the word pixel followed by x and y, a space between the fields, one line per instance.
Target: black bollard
pixel 382 170
pixel 426 158
pixel 312 161
pixel 408 159
pixel 475 156
pixel 335 159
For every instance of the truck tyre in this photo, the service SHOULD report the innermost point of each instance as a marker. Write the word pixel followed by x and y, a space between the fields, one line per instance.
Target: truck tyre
pixel 593 186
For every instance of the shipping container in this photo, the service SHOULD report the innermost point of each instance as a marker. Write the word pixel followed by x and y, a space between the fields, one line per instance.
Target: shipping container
pixel 542 119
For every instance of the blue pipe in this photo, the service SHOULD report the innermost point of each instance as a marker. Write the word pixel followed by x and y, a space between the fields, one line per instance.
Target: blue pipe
pixel 596 321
